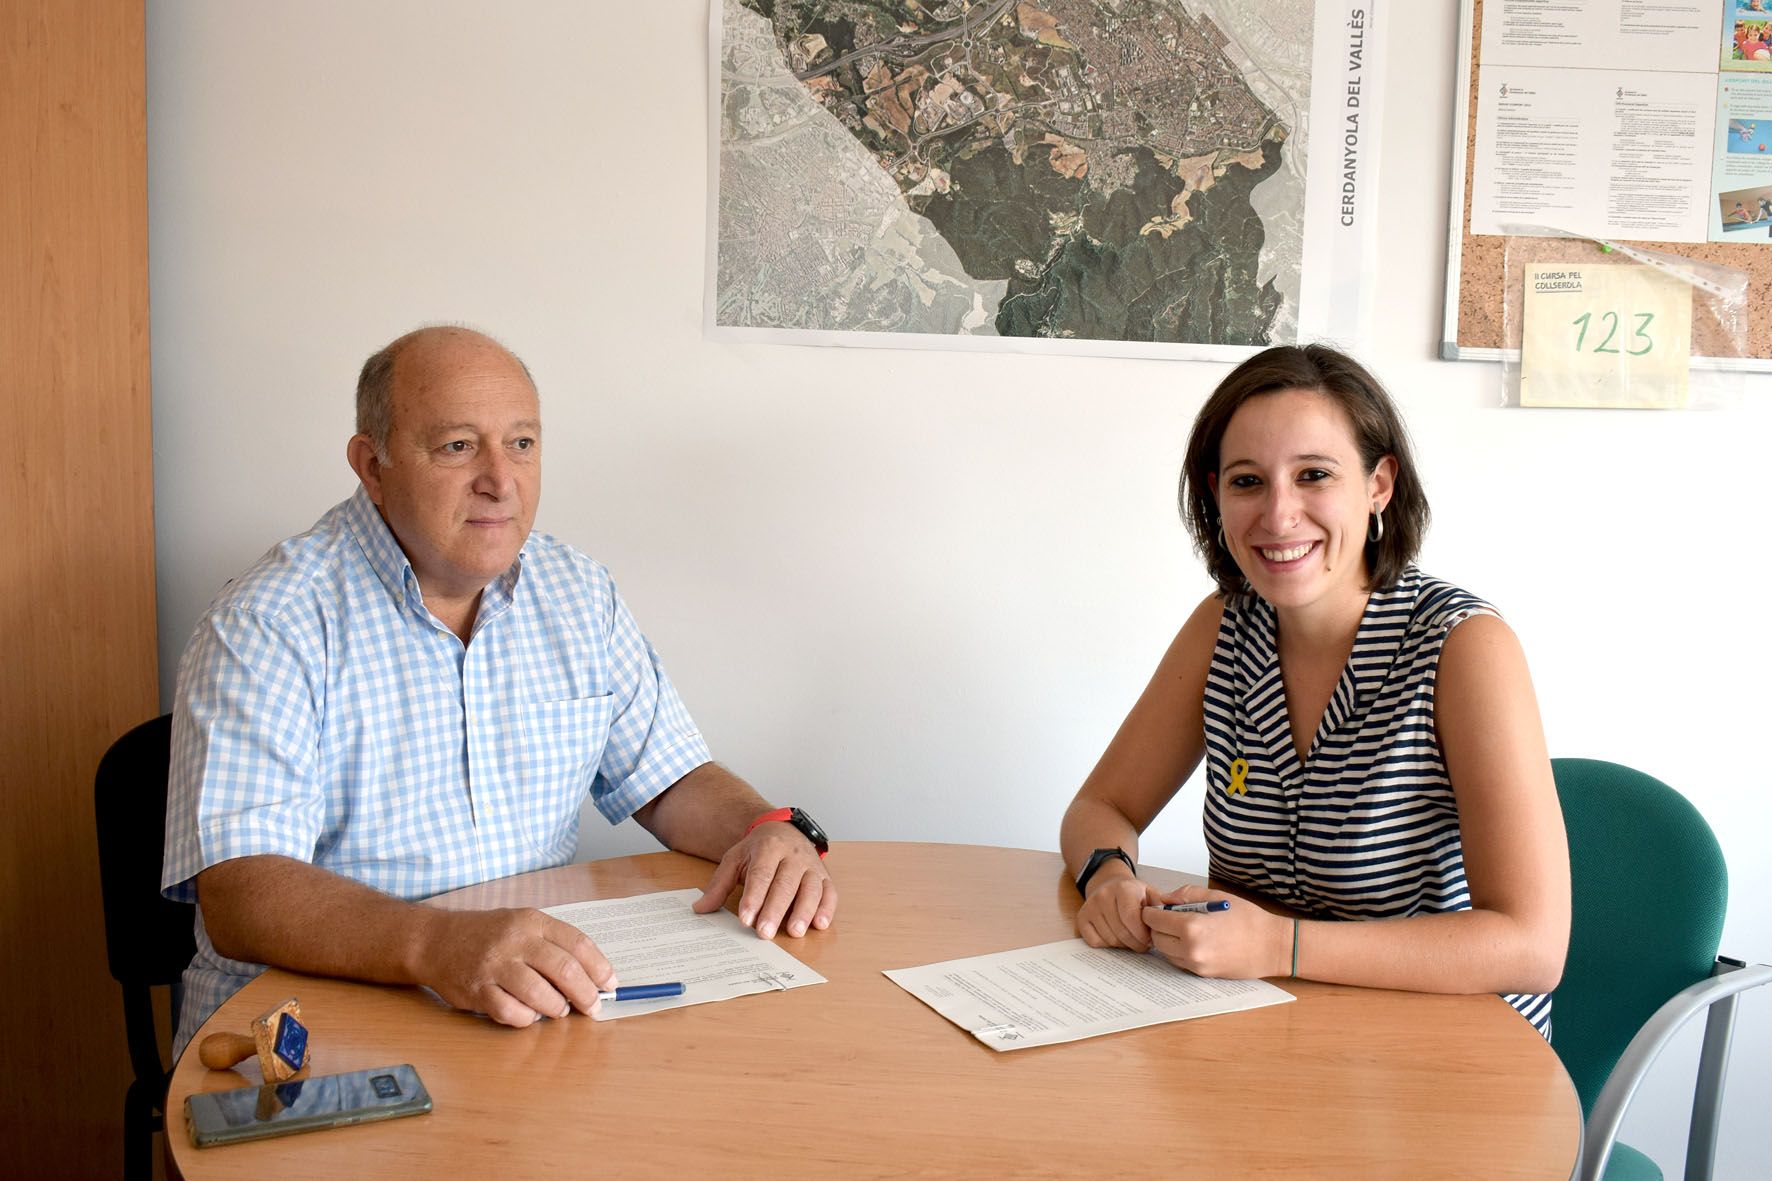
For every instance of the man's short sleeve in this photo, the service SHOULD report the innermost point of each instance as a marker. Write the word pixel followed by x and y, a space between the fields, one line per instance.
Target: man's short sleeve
pixel 244 738
pixel 652 742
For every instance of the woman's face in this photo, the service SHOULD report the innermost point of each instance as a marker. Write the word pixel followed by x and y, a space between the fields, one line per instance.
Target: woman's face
pixel 1295 500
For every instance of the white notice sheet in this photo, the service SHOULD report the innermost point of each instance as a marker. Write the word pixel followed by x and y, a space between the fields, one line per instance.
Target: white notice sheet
pixel 1624 119
pixel 657 939
pixel 1065 991
pixel 1603 153
pixel 1615 34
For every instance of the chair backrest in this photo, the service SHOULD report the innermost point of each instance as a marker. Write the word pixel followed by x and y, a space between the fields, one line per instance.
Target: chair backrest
pixel 1649 890
pixel 149 940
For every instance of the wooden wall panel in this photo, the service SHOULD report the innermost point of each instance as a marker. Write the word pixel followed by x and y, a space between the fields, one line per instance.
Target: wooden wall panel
pixel 77 644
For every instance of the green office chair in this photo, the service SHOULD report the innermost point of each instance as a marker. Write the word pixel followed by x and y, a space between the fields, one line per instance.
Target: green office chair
pixel 1649 893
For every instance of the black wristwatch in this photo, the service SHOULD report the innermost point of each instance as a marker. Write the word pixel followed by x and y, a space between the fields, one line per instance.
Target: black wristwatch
pixel 807 825
pixel 1094 863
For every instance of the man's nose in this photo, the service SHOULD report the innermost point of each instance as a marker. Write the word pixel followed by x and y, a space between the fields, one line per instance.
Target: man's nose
pixel 495 475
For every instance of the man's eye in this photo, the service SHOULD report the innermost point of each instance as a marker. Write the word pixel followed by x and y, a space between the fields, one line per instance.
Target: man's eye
pixel 456 447
pixel 524 444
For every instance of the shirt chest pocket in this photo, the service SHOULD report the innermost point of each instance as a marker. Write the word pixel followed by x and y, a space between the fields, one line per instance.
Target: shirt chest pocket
pixel 559 746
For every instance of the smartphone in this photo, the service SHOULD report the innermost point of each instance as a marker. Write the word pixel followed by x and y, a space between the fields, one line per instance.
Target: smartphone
pixel 304 1105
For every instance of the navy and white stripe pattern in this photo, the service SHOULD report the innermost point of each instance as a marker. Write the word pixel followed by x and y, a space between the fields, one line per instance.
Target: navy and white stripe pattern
pixel 1367 826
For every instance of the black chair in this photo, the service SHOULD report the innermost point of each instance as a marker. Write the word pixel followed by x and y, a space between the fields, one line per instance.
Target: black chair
pixel 148 939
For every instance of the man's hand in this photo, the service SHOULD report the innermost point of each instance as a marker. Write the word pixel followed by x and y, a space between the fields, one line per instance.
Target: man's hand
pixel 783 877
pixel 516 966
pixel 1113 913
pixel 785 884
pixel 1241 943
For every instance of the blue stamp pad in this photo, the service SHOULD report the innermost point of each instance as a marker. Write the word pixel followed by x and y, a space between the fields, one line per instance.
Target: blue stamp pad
pixel 292 1042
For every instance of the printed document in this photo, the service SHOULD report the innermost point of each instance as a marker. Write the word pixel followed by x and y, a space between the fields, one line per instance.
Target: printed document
pixel 1603 153
pixel 1576 34
pixel 1741 175
pixel 657 939
pixel 1065 991
pixel 1650 119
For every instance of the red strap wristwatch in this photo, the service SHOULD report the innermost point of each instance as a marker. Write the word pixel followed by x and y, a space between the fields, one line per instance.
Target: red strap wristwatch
pixel 807 825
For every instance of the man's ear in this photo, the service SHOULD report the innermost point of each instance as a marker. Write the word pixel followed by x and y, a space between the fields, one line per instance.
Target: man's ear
pixel 360 454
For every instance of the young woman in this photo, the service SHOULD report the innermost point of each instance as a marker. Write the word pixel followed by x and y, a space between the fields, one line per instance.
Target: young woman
pixel 1378 792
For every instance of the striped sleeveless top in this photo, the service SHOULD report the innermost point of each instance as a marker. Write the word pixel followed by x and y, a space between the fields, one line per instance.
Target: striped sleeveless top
pixel 1367 826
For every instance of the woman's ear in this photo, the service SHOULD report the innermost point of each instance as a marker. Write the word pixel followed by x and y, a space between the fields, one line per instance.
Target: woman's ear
pixel 1382 483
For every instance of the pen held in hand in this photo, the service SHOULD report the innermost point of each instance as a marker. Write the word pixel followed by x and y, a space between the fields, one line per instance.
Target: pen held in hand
pixel 643 992
pixel 1212 907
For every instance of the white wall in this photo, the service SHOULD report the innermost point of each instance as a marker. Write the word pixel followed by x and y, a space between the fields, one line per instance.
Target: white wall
pixel 913 591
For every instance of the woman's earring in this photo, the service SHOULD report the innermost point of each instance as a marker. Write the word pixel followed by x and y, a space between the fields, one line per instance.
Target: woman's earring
pixel 1221 544
pixel 1375 530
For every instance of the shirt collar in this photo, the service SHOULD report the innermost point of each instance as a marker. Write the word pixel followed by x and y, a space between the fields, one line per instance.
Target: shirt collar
pixel 500 592
pixel 1384 624
pixel 1383 627
pixel 394 569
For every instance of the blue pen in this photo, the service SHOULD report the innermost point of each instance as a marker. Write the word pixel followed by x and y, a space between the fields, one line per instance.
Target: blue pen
pixel 1213 907
pixel 642 992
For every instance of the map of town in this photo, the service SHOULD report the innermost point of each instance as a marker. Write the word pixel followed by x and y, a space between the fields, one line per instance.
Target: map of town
pixel 1125 170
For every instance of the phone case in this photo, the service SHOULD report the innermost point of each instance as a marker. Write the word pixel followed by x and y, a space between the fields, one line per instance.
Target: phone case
pixel 305 1105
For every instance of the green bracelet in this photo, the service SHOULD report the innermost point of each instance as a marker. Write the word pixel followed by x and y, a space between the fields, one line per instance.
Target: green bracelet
pixel 1294 949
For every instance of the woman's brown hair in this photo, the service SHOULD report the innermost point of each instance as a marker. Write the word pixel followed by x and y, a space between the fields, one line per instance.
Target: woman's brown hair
pixel 1378 431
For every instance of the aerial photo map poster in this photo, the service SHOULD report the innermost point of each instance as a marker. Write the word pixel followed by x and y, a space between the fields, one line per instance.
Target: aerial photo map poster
pixel 1188 178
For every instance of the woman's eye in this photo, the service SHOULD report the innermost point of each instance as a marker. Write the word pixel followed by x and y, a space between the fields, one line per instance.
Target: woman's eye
pixel 1244 481
pixel 1312 475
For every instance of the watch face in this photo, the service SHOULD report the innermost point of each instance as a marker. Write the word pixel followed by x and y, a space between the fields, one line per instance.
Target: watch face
pixel 809 826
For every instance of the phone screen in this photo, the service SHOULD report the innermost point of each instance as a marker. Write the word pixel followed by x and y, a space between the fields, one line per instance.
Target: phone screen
pixel 305 1104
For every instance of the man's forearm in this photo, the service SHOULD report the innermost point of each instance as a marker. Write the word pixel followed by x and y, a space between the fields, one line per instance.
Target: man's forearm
pixel 704 813
pixel 275 910
pixel 513 965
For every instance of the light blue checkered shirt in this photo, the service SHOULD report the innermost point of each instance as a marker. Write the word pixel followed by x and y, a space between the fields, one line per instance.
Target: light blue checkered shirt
pixel 324 714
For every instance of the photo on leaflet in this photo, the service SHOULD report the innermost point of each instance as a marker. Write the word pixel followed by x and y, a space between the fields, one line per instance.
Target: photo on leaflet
pixel 1743 209
pixel 1749 136
pixel 1750 45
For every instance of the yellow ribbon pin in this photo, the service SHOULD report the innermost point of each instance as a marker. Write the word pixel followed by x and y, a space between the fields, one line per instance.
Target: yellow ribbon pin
pixel 1239 784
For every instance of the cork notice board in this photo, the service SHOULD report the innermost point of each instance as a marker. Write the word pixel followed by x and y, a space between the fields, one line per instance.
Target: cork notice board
pixel 1478 268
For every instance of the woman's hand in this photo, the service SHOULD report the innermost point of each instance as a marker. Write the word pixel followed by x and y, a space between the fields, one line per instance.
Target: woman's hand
pixel 1241 943
pixel 1113 913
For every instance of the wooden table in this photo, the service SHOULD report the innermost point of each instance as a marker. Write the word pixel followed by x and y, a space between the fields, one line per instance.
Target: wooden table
pixel 857 1078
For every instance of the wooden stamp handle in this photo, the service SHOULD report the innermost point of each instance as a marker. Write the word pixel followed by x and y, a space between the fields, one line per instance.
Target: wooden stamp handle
pixel 219 1051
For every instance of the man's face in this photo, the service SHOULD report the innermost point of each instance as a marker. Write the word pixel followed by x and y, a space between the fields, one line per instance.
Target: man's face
pixel 462 476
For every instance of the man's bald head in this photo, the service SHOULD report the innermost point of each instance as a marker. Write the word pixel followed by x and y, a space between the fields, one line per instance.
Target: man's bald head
pixel 421 348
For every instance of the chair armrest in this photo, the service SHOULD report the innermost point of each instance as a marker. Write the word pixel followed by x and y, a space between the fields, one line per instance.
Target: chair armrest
pixel 1729 980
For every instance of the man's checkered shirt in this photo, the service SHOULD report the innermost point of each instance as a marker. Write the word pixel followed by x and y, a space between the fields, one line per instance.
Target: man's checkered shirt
pixel 325 715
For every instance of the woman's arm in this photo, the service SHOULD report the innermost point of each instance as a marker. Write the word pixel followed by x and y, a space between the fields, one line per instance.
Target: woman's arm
pixel 1516 859
pixel 1155 750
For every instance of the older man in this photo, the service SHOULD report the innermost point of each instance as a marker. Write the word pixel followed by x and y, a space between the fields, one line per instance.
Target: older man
pixel 416 695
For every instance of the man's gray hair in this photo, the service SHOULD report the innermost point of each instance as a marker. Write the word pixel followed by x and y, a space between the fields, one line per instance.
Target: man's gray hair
pixel 375 384
pixel 375 398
